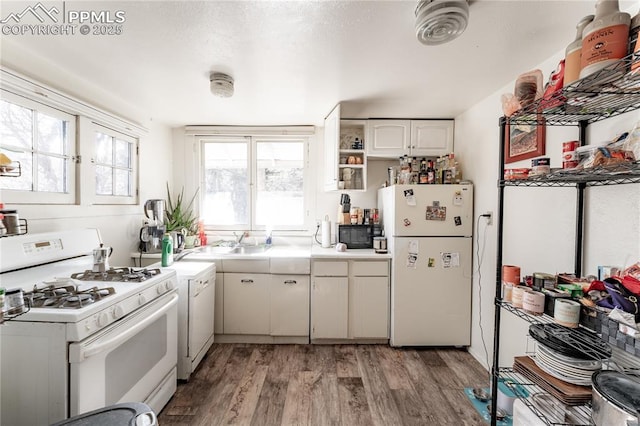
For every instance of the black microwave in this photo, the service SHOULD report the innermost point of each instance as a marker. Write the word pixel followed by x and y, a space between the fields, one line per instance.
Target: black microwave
pixel 357 236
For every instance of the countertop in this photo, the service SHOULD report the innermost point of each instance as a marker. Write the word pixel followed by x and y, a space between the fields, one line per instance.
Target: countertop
pixel 318 252
pixel 314 252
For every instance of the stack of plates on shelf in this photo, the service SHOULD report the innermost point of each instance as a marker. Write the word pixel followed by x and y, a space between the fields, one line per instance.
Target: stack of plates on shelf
pixel 571 342
pixel 572 370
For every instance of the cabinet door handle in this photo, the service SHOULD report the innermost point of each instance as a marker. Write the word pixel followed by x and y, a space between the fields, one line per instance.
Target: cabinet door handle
pixel 246 281
pixel 290 282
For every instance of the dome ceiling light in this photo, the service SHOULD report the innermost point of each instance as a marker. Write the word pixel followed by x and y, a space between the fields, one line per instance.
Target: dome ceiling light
pixel 440 21
pixel 221 84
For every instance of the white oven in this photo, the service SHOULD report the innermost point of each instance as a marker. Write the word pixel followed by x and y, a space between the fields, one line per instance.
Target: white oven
pixel 126 362
pixel 58 361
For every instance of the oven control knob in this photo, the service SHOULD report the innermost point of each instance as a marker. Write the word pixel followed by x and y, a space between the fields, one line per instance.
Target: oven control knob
pixel 142 300
pixel 118 312
pixel 160 288
pixel 102 319
pixel 169 285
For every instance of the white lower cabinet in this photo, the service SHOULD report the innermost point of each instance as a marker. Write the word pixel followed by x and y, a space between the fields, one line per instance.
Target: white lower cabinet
pixel 350 300
pixel 369 307
pixel 246 303
pixel 289 297
pixel 329 308
pixel 219 309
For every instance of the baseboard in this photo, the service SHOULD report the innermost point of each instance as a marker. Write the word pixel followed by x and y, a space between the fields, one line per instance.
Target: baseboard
pixel 261 339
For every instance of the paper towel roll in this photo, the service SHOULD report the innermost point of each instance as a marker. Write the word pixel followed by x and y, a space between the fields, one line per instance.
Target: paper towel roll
pixel 326 233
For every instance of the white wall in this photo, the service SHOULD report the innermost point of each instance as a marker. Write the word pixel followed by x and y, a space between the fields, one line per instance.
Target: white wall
pixel 539 223
pixel 119 225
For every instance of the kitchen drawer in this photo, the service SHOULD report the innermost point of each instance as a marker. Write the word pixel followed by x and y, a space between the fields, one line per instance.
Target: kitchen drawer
pixel 370 269
pixel 294 265
pixel 258 266
pixel 330 269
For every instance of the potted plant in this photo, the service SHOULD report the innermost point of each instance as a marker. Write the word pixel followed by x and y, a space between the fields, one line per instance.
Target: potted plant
pixel 179 217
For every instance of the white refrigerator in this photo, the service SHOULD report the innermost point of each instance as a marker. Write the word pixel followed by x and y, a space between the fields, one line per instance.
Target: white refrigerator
pixel 429 234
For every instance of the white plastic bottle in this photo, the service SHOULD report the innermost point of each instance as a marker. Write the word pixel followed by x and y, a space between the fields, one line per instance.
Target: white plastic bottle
pixel 572 54
pixel 604 41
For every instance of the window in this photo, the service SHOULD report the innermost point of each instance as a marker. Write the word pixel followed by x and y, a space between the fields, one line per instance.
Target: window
pixel 279 183
pixel 115 160
pixel 254 183
pixel 42 140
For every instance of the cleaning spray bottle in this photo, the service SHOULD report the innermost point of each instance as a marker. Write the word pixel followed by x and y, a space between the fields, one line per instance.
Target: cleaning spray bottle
pixel 167 250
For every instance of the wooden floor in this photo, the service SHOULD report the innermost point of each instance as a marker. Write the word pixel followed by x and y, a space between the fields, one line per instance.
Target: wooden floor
pixel 328 385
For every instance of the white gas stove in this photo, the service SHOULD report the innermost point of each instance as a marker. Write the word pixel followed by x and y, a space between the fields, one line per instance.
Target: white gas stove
pixel 103 338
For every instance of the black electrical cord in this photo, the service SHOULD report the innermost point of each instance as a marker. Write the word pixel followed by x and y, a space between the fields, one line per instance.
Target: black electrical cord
pixel 484 241
pixel 315 237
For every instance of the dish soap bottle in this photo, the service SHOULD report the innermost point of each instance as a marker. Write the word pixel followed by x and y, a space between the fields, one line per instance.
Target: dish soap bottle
pixel 167 251
pixel 573 52
pixel 604 41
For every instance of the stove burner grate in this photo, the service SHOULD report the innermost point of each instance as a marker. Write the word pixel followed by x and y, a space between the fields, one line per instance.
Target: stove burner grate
pixel 65 296
pixel 117 274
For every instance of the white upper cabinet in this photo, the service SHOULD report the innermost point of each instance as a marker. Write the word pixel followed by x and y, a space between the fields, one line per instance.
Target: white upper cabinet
pixel 431 138
pixel 388 138
pixel 416 138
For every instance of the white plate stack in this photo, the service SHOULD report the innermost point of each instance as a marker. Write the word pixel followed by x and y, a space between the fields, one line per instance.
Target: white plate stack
pixel 571 370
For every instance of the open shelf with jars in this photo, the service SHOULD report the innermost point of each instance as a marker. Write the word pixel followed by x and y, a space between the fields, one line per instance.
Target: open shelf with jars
pixel 351 155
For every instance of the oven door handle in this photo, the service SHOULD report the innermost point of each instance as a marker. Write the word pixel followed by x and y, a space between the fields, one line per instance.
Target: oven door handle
pixel 78 353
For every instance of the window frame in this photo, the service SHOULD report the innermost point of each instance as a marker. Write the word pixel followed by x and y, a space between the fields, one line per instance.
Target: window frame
pixel 100 199
pixel 13 83
pixel 252 168
pixel 21 196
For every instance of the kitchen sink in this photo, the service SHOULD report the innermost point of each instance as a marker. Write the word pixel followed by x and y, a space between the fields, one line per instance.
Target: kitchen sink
pixel 241 249
pixel 216 250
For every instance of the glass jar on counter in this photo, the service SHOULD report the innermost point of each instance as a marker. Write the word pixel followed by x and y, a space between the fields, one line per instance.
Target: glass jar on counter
pixel 353 215
pixel 14 301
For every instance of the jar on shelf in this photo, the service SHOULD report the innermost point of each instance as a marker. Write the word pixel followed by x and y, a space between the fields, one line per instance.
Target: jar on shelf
pixel 573 52
pixel 605 40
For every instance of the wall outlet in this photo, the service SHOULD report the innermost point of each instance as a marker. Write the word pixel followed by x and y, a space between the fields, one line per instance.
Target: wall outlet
pixel 489 217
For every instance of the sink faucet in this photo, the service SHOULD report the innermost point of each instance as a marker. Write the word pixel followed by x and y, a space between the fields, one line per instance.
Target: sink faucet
pixel 241 237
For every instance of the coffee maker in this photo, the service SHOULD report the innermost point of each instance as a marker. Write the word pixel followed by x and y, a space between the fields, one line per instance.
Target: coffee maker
pixel 153 230
pixel 101 258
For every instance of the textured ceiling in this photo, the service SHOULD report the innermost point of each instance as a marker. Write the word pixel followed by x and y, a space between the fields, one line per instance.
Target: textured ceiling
pixel 293 61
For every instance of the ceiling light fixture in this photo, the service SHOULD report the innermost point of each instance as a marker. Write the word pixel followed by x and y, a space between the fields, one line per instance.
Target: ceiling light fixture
pixel 440 21
pixel 221 84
